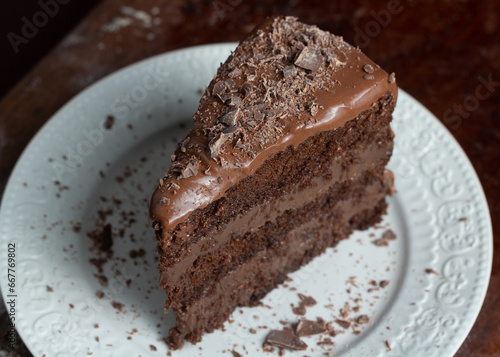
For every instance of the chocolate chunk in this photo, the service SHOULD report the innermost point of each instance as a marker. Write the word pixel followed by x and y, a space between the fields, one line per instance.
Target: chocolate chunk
pixel 309 58
pixel 230 130
pixel 285 339
pixel 230 117
pixel 234 101
pixel 191 169
pixel 369 77
pixel 392 78
pixel 308 328
pixel 223 89
pixel 219 140
pixel 368 68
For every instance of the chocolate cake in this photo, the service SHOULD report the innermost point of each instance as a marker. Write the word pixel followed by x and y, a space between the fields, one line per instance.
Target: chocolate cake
pixel 286 157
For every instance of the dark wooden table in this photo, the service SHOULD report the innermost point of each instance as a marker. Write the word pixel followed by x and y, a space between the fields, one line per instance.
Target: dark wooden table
pixel 441 51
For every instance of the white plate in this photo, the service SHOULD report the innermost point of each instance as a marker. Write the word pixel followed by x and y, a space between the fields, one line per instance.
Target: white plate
pixel 439 214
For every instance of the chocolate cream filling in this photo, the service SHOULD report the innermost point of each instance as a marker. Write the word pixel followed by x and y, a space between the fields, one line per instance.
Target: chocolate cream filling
pixel 193 317
pixel 257 216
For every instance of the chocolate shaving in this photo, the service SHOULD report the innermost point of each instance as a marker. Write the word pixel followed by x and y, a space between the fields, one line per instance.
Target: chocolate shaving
pixel 289 72
pixel 309 58
pixel 190 169
pixel 234 73
pixel 308 328
pixel 216 143
pixel 285 339
pixel 223 89
pixel 230 117
pixel 234 101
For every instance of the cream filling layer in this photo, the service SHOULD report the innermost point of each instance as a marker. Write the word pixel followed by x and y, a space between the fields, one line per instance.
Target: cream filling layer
pixel 257 216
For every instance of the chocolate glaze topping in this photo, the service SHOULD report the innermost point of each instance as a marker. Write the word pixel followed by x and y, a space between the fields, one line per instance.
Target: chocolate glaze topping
pixel 284 83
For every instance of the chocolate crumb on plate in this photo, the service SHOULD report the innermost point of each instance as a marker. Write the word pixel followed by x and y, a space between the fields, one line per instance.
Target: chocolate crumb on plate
pixel 117 305
pixel 387 236
pixel 235 354
pixel 307 300
pixel 431 271
pixel 308 328
pixel 388 345
pixel 285 339
pixel 362 319
pixel 108 124
pixel 343 323
pixel 326 341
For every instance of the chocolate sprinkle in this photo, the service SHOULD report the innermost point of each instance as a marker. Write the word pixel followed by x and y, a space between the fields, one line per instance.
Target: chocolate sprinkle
pixel 285 339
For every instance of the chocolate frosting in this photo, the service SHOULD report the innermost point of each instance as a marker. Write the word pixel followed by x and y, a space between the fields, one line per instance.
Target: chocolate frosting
pixel 284 83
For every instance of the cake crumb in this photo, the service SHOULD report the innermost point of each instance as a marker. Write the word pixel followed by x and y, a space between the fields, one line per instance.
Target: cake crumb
pixel 383 241
pixel 108 124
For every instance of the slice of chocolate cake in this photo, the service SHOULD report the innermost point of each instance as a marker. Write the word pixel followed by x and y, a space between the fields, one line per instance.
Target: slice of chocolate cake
pixel 286 157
